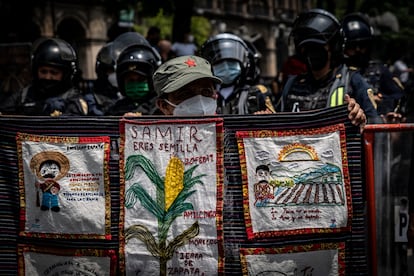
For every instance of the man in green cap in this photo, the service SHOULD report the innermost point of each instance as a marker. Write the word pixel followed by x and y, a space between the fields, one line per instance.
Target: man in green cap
pixel 185 86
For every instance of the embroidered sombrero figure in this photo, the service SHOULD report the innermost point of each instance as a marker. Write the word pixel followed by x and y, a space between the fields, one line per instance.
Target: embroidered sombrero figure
pixel 49 167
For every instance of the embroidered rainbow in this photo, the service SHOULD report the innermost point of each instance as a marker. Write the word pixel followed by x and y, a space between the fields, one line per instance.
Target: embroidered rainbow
pixel 297 148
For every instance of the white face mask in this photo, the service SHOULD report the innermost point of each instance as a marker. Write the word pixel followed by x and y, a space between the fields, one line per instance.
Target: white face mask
pixel 197 105
pixel 112 79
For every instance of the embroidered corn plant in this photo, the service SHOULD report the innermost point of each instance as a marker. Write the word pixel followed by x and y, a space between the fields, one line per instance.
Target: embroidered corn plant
pixel 171 193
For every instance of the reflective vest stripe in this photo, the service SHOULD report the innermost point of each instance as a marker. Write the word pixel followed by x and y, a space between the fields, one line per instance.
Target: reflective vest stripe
pixel 337 97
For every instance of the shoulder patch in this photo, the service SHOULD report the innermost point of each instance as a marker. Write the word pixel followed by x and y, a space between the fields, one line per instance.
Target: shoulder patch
pixel 398 82
pixel 84 106
pixel 371 97
pixel 262 88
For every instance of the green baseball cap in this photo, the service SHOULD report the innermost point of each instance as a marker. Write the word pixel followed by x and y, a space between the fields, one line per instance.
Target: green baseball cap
pixel 180 71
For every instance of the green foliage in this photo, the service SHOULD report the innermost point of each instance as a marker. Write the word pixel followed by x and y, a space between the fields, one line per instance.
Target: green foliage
pixel 161 20
pixel 200 26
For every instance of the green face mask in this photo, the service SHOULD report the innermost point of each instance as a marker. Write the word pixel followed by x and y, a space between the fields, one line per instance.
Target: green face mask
pixel 136 90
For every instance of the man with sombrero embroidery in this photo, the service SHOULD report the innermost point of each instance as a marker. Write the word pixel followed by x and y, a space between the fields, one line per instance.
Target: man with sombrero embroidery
pixel 49 167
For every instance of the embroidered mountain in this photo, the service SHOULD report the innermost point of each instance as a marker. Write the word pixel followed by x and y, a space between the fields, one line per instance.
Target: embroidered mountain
pixel 321 185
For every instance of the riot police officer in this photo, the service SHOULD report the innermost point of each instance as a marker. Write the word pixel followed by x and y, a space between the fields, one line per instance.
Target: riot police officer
pixel 358 33
pixel 319 43
pixel 53 91
pixel 233 61
pixel 136 62
pixel 105 89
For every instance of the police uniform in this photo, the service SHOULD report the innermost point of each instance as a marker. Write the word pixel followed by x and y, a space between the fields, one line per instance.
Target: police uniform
pixel 136 56
pixel 246 99
pixel 27 102
pixel 144 106
pixel 303 92
pixel 382 81
pixel 45 96
pixel 319 42
pixel 358 45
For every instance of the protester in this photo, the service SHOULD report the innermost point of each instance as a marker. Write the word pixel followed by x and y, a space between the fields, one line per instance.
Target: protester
pixel 52 91
pixel 135 65
pixel 105 90
pixel 185 86
pixel 154 36
pixel 234 63
pixel 185 46
pixel 327 82
pixel 387 90
pixel 166 53
pixel 401 70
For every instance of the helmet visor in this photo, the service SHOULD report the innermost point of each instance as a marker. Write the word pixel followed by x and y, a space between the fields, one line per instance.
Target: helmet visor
pixel 222 49
pixel 314 27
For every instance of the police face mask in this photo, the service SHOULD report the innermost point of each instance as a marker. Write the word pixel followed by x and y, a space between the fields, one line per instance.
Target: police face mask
pixel 136 90
pixel 315 56
pixel 49 88
pixel 359 60
pixel 228 71
pixel 197 105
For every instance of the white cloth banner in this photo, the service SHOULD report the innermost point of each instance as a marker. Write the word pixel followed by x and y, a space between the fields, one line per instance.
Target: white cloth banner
pixel 36 264
pixel 296 182
pixel 171 184
pixel 63 189
pixel 312 259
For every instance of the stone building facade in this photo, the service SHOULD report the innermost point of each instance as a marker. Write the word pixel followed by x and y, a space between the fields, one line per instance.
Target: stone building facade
pixel 86 25
pixel 266 23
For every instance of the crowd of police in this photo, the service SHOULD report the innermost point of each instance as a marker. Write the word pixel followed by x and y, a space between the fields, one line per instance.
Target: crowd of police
pixel 336 69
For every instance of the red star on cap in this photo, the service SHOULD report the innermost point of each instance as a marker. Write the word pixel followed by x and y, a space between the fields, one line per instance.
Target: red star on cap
pixel 190 62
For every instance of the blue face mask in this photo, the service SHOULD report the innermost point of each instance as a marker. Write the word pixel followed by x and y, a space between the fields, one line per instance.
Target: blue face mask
pixel 228 71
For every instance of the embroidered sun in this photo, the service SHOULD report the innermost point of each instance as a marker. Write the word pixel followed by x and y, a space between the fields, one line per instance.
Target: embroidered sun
pixel 298 152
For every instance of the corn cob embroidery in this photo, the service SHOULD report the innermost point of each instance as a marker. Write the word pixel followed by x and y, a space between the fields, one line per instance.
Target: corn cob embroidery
pixel 172 191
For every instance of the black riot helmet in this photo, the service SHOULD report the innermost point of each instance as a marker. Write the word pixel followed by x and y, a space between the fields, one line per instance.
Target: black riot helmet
pixel 357 31
pixel 318 26
pixel 137 56
pixel 58 53
pixel 105 61
pixel 54 52
pixel 226 46
pixel 127 39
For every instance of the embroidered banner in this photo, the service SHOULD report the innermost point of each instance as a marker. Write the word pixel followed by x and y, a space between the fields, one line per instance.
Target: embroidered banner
pixel 64 186
pixel 234 227
pixel 313 259
pixel 295 182
pixel 172 189
pixel 52 261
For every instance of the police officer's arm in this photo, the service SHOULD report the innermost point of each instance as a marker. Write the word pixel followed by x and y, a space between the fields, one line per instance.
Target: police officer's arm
pixel 390 86
pixel 394 89
pixel 360 90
